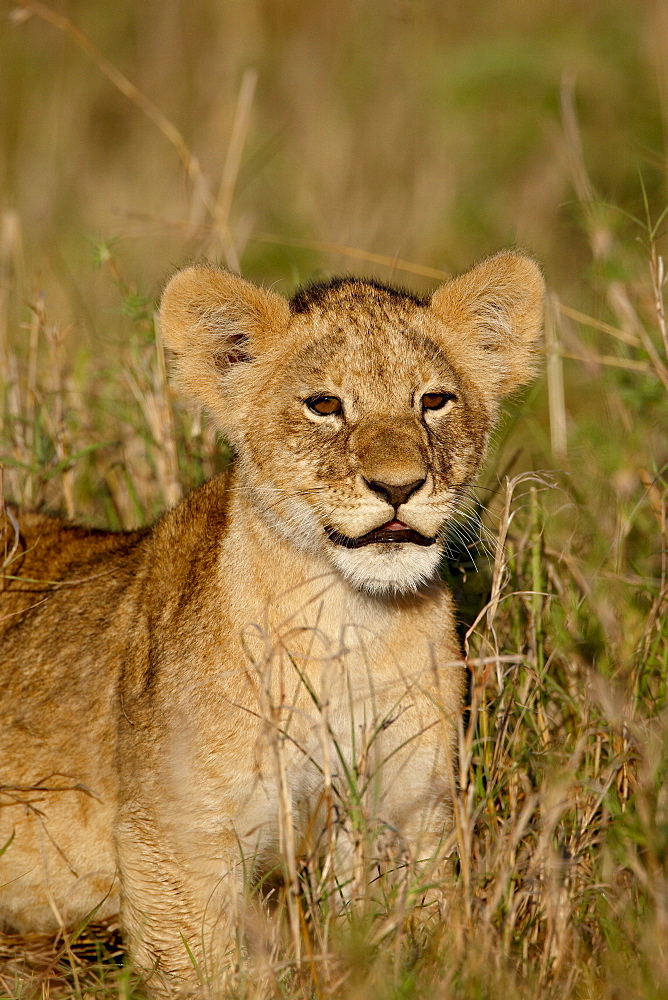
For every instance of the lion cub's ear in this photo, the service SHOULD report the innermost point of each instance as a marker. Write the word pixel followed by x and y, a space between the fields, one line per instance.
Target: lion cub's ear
pixel 493 316
pixel 211 319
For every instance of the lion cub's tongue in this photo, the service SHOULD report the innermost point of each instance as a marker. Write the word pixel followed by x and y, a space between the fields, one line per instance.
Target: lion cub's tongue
pixel 394 526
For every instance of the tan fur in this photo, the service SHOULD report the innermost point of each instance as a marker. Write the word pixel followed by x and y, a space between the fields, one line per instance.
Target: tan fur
pixel 166 691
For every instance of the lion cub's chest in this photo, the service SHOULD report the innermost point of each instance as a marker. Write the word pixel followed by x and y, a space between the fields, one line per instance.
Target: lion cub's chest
pixel 339 651
pixel 343 695
pixel 286 682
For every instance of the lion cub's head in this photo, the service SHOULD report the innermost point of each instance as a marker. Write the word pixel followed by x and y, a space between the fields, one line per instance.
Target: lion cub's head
pixel 358 412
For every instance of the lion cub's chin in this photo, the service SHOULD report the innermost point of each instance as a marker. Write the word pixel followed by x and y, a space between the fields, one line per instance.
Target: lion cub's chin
pixel 386 568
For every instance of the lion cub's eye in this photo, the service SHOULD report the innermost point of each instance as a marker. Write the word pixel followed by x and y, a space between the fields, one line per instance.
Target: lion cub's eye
pixel 437 400
pixel 325 405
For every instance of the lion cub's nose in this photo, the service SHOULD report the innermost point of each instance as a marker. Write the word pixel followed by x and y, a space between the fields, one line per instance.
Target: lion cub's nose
pixel 394 493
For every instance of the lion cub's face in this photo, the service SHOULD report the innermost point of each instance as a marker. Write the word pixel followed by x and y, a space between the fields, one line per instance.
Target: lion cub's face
pixel 358 412
pixel 370 432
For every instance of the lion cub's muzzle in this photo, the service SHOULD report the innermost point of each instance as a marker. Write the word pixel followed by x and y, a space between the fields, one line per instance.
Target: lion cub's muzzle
pixel 393 466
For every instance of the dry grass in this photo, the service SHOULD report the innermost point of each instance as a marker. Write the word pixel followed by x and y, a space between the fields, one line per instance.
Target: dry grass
pixel 557 883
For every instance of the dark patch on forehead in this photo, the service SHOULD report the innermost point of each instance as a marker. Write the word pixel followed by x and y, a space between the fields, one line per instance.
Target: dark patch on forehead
pixel 346 289
pixel 318 352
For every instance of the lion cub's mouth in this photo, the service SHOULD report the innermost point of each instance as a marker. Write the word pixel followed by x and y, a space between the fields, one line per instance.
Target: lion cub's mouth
pixel 393 531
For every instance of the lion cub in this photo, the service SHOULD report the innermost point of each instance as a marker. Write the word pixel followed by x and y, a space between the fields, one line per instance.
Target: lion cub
pixel 175 699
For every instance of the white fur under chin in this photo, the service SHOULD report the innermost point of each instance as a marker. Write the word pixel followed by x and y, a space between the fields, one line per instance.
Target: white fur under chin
pixel 387 567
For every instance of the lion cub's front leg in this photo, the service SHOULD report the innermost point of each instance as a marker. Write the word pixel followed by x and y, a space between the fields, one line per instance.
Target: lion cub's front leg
pixel 180 916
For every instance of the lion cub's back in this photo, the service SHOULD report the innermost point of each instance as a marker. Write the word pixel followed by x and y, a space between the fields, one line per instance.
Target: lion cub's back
pixel 61 610
pixel 57 566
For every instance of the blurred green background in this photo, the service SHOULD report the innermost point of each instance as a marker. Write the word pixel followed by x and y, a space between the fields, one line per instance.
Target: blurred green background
pixel 425 130
pixel 402 138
